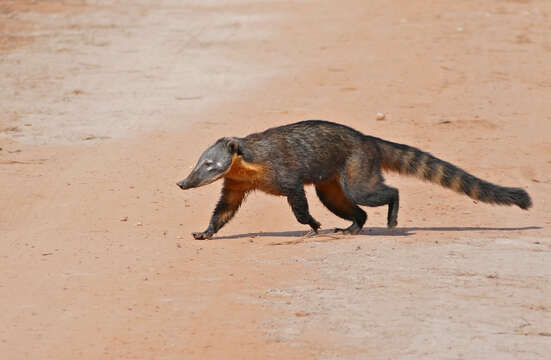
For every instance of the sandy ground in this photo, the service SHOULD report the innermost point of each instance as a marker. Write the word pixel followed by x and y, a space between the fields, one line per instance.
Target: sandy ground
pixel 104 105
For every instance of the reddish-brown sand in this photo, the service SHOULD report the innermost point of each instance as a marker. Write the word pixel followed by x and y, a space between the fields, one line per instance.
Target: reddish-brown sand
pixel 105 105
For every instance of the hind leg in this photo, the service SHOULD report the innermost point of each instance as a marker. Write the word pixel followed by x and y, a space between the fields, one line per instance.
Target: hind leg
pixel 331 195
pixel 363 184
pixel 384 195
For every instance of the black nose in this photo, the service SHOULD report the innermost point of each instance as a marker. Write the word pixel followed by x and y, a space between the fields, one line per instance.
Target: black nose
pixel 180 185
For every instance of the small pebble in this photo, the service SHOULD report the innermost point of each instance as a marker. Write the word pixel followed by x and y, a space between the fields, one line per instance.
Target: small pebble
pixel 380 116
pixel 139 224
pixel 124 218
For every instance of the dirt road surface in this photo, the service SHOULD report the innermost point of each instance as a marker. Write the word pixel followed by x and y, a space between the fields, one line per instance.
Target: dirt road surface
pixel 104 105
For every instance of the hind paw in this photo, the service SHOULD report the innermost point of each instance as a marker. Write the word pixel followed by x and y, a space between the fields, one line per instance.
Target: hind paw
pixel 351 230
pixel 202 235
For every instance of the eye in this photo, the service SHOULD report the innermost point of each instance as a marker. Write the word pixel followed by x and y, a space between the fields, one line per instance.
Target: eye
pixel 208 162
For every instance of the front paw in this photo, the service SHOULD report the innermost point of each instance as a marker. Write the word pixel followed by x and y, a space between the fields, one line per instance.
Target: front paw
pixel 315 225
pixel 202 235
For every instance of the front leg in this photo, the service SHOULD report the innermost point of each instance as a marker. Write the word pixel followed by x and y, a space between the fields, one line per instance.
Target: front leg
pixel 230 201
pixel 299 204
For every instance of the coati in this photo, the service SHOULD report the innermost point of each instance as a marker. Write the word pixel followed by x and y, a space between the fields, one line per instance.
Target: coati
pixel 343 164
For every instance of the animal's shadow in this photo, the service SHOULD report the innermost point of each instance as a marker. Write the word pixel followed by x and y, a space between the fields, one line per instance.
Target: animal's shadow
pixel 375 231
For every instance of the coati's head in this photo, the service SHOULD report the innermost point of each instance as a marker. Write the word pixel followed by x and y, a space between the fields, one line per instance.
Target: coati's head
pixel 214 163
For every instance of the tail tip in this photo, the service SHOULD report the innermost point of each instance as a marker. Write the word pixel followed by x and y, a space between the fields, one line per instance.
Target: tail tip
pixel 522 199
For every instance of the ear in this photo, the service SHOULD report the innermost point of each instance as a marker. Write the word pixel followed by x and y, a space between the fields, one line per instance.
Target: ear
pixel 233 146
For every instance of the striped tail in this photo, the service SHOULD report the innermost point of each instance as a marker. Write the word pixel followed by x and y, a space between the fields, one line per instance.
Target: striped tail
pixel 411 161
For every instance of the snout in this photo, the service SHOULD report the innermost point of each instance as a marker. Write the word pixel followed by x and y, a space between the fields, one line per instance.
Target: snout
pixel 192 181
pixel 184 184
